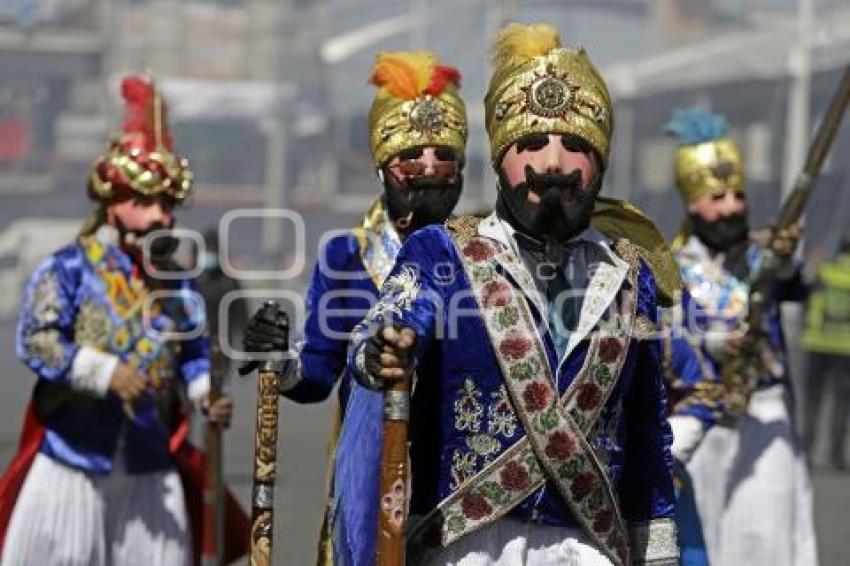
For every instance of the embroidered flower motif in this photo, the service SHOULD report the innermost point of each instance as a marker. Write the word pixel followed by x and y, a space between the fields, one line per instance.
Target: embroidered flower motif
pixel 515 345
pixel 588 396
pixel 609 349
pixel 92 325
pixel 561 446
pixel 467 407
pixel 463 467
pixel 582 484
pixel 476 250
pixel 484 445
pixel 514 477
pixel 603 520
pixel 46 345
pixel 507 317
pixel 535 397
pixel 501 414
pixel 403 287
pixel 496 293
pixel 475 507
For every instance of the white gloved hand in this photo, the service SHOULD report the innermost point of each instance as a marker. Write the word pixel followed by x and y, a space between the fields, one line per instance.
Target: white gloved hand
pixel 688 432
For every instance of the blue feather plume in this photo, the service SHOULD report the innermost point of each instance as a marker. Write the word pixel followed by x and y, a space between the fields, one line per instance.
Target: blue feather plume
pixel 696 125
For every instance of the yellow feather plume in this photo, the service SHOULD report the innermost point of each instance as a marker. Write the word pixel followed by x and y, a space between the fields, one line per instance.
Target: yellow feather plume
pixel 404 74
pixel 522 42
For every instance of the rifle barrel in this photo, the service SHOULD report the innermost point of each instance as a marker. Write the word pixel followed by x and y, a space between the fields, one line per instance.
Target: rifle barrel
pixel 793 208
pixel 829 126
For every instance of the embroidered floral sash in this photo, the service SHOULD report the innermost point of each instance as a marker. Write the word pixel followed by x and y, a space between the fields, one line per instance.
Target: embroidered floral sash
pixel 556 446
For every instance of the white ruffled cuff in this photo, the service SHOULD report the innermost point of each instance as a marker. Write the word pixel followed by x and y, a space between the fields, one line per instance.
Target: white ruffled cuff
pixel 92 370
pixel 198 388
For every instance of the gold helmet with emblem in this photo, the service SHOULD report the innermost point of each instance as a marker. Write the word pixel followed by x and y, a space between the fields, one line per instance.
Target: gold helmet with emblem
pixel 538 86
pixel 141 158
pixel 707 159
pixel 417 104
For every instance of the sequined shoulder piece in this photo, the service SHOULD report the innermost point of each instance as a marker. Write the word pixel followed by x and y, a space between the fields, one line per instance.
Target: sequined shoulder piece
pixel 463 227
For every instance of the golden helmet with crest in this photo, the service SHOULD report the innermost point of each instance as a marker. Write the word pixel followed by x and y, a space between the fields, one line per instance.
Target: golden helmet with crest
pixel 538 86
pixel 141 157
pixel 417 104
pixel 707 159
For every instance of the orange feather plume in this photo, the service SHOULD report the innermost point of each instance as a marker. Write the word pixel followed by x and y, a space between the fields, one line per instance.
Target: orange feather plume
pixel 404 75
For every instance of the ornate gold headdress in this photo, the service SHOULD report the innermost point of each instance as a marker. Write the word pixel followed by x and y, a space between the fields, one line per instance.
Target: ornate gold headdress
pixel 417 104
pixel 707 160
pixel 540 87
pixel 141 158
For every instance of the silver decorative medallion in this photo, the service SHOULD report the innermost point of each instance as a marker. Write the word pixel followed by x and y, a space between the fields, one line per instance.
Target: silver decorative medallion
pixel 550 97
pixel 426 116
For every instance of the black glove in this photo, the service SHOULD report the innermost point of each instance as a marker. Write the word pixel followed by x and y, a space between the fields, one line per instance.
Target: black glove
pixel 267 332
pixel 377 345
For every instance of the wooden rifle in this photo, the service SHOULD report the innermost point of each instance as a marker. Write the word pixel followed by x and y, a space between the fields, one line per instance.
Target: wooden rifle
pixel 742 372
pixel 392 512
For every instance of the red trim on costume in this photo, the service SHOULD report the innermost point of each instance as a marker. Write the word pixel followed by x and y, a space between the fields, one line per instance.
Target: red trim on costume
pixel 13 480
pixel 190 465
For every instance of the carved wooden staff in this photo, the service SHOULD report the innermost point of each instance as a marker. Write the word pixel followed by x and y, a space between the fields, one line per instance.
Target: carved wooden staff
pixel 265 451
pixel 212 547
pixel 392 514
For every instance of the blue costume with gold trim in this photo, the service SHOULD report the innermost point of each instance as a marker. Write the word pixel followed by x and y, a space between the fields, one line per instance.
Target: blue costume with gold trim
pixel 747 488
pixel 87 296
pixel 343 288
pixel 463 419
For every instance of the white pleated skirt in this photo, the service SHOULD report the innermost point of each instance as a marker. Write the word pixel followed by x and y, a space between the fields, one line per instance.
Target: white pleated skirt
pixel 753 491
pixel 508 542
pixel 66 517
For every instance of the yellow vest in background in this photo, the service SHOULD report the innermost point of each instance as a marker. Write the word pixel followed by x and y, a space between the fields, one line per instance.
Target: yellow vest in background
pixel 828 314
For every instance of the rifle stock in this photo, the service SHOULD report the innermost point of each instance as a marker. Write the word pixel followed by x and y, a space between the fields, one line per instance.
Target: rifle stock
pixel 392 511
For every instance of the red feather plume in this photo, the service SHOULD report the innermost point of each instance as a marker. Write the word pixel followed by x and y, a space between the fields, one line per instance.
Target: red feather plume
pixel 140 127
pixel 441 78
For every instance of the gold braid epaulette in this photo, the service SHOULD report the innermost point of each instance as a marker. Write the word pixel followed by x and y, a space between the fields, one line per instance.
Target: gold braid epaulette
pixel 463 227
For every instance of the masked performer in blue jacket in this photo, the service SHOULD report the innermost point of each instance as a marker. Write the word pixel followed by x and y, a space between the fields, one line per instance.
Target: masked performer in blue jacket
pixel 417 136
pixel 114 346
pixel 749 477
pixel 538 420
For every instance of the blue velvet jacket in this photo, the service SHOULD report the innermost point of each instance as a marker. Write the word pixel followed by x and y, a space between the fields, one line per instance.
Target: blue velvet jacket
pixel 462 417
pixel 343 288
pixel 714 302
pixel 84 308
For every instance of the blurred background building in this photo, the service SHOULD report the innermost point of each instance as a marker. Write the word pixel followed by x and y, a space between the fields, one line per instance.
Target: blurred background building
pixel 269 100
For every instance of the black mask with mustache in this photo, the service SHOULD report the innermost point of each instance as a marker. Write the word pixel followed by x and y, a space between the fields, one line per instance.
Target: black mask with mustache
pixel 721 235
pixel 564 210
pixel 421 200
pixel 161 249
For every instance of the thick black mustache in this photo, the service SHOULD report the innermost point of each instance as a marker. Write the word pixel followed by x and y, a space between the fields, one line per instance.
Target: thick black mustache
pixel 430 182
pixel 542 182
